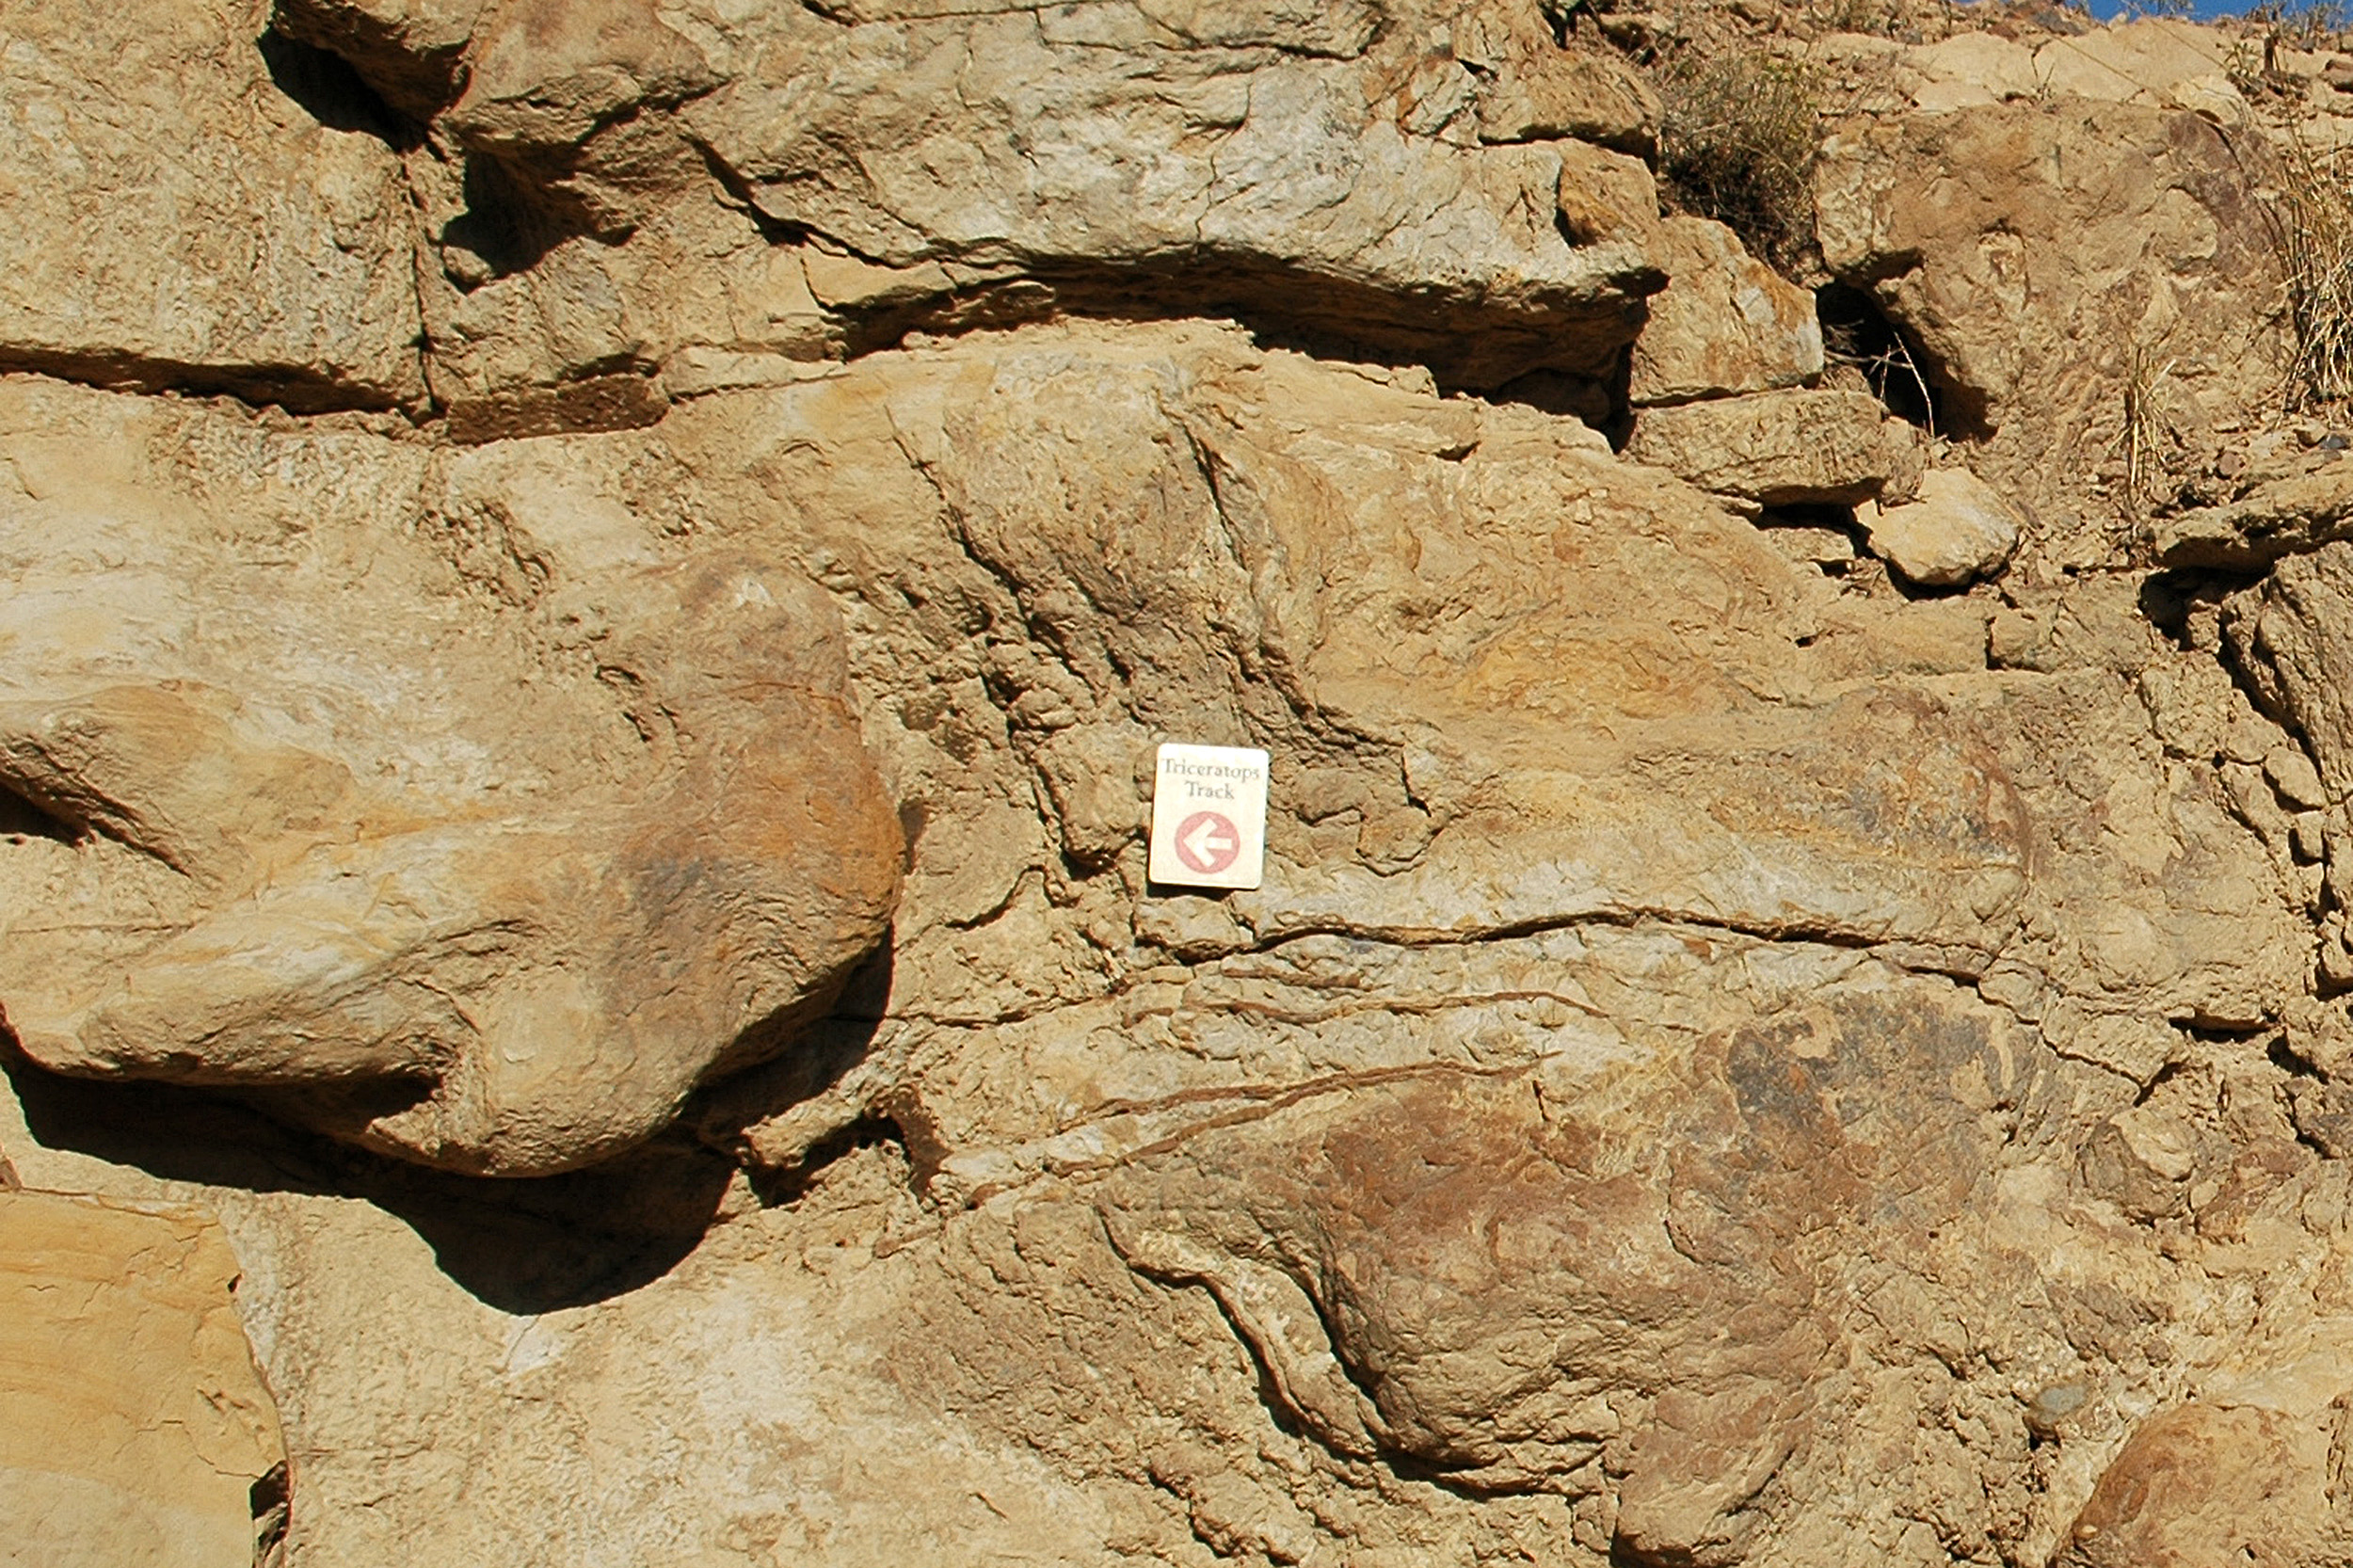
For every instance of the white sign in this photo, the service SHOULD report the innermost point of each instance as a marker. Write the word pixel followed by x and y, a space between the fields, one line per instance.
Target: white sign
pixel 1208 816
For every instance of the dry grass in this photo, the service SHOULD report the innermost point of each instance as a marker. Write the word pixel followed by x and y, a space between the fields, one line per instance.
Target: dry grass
pixel 2315 211
pixel 2142 439
pixel 1738 132
pixel 2303 23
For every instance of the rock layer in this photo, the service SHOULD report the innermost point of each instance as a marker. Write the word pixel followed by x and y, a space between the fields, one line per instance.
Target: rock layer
pixel 470 810
pixel 269 254
pixel 136 1428
pixel 1783 1025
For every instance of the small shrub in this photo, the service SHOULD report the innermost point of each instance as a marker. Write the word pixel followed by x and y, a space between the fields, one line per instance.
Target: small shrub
pixel 2303 23
pixel 1738 132
pixel 1884 17
pixel 2316 213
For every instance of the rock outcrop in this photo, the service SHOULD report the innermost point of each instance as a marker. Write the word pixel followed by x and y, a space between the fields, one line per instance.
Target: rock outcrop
pixel 590 591
pixel 2077 278
pixel 179 219
pixel 136 1428
pixel 471 808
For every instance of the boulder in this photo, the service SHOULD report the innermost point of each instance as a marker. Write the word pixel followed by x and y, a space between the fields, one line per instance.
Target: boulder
pixel 1724 324
pixel 2209 1482
pixel 1960 528
pixel 1783 448
pixel 180 217
pixel 133 1427
pixel 505 947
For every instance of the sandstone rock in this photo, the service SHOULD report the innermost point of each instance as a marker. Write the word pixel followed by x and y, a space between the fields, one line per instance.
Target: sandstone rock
pixel 1460 208
pixel 2286 638
pixel 1971 68
pixel 1534 87
pixel 180 221
pixel 1783 448
pixel 1961 528
pixel 2040 303
pixel 1730 1063
pixel 1725 324
pixel 2209 1483
pixel 573 101
pixel 2164 61
pixel 135 1429
pixel 1604 196
pixel 1620 873
pixel 1437 1265
pixel 597 337
pixel 509 949
pixel 1264 164
pixel 2092 623
pixel 2299 512
pixel 409 50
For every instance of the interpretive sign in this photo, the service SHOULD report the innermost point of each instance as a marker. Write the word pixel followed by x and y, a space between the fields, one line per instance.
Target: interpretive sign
pixel 1208 816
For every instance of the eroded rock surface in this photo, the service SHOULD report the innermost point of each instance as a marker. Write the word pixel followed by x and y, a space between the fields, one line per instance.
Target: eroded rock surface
pixel 265 252
pixel 463 806
pixel 596 816
pixel 2134 236
pixel 136 1428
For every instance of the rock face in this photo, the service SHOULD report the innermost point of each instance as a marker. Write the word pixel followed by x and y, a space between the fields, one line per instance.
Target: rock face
pixel 136 1428
pixel 1725 324
pixel 1782 449
pixel 2074 275
pixel 272 253
pixel 567 814
pixel 1960 527
pixel 588 596
pixel 2204 1483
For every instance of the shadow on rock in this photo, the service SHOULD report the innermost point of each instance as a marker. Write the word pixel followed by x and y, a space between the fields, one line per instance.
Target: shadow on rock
pixel 523 1246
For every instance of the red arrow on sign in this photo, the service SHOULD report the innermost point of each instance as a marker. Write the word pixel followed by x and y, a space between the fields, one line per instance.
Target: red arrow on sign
pixel 1208 842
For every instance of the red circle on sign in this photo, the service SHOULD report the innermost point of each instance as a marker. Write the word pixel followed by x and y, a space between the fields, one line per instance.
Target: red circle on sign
pixel 1208 842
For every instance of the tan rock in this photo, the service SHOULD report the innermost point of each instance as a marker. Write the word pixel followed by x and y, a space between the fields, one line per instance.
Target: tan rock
pixel 597 336
pixel 133 1427
pixel 1961 528
pixel 1730 1063
pixel 1604 196
pixel 507 947
pixel 1783 448
pixel 407 50
pixel 549 77
pixel 2051 264
pixel 2287 636
pixel 1970 69
pixel 2164 61
pixel 220 236
pixel 1534 87
pixel 2203 1484
pixel 1724 324
pixel 2299 512
pixel 1443 1261
pixel 1665 1047
pixel 1317 181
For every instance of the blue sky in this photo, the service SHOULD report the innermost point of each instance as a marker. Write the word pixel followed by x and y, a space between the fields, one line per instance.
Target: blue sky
pixel 2203 10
